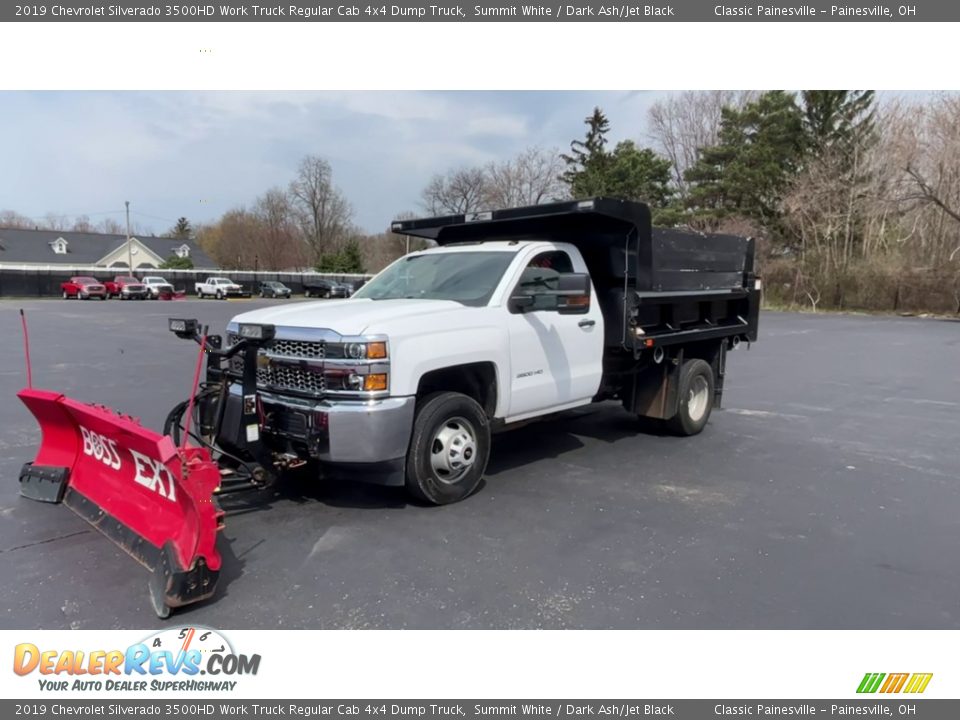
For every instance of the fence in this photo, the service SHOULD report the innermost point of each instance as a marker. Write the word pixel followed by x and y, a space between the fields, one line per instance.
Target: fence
pixel 43 281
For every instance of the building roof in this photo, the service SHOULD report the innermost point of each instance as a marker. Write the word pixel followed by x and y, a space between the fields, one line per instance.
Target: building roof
pixel 36 247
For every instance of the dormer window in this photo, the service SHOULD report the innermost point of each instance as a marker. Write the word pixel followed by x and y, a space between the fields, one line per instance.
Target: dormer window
pixel 183 251
pixel 59 246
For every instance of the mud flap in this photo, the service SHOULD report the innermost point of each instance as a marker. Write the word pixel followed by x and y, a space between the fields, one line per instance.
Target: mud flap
pixel 153 500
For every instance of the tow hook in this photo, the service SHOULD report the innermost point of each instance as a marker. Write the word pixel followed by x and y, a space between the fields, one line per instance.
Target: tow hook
pixel 288 461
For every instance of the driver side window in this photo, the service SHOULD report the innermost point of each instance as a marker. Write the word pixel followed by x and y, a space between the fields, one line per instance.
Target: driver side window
pixel 541 275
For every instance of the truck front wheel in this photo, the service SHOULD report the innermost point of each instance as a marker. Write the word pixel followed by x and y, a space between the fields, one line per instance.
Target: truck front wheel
pixel 695 399
pixel 449 448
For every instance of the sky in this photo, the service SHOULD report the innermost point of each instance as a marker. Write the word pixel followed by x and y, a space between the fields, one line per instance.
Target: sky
pixel 198 154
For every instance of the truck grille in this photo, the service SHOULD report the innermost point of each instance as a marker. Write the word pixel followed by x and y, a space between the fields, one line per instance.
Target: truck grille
pixel 300 349
pixel 287 377
pixel 308 350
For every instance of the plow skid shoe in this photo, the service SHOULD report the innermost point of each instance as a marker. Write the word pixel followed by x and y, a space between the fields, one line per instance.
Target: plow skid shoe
pixel 136 487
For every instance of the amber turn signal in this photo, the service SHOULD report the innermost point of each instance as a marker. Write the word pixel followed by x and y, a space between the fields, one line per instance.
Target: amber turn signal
pixel 377 381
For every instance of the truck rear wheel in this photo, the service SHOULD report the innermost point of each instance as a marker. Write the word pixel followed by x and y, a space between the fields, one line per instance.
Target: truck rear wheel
pixel 449 448
pixel 695 401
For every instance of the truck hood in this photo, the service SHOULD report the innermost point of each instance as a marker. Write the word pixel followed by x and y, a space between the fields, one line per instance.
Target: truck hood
pixel 348 317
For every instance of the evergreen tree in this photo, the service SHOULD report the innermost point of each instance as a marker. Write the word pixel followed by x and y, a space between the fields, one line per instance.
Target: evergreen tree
pixel 588 159
pixel 182 229
pixel 838 119
pixel 628 173
pixel 761 147
pixel 638 174
pixel 347 260
pixel 176 263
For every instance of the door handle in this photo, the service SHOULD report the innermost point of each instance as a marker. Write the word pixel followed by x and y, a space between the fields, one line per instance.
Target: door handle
pixel 587 323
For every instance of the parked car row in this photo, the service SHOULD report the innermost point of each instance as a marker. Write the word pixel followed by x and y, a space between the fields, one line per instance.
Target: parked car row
pixel 154 287
pixel 125 287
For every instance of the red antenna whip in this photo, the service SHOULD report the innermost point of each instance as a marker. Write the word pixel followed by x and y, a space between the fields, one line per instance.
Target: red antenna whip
pixel 26 348
pixel 193 391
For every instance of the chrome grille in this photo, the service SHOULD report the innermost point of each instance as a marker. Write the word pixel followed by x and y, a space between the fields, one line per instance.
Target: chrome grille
pixel 300 349
pixel 289 377
pixel 306 349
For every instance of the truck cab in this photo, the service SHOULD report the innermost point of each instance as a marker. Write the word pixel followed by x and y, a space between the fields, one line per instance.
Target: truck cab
pixel 516 314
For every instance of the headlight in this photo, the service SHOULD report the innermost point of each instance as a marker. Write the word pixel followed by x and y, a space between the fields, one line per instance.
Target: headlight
pixel 371 351
pixel 356 350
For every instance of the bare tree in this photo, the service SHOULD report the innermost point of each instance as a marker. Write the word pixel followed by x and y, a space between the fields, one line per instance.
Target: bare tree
pixel 324 212
pixel 13 219
pixel 459 191
pixel 276 246
pixel 681 124
pixel 52 221
pixel 111 227
pixel 922 145
pixel 531 178
pixel 81 223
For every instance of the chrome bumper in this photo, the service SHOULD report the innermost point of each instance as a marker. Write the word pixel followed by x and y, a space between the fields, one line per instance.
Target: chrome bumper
pixel 343 431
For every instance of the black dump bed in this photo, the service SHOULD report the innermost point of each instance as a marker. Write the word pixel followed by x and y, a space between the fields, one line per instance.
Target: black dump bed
pixel 656 286
pixel 615 237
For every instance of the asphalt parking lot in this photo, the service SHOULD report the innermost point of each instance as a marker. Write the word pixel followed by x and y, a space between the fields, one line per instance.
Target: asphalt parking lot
pixel 826 495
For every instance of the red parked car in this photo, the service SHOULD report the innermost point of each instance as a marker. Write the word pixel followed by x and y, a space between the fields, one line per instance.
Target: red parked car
pixel 83 287
pixel 126 287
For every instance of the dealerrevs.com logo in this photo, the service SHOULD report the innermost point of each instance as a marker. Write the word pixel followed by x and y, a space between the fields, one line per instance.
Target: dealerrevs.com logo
pixel 180 659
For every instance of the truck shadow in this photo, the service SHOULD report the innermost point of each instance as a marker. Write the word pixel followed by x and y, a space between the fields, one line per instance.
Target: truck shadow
pixel 549 439
pixel 511 449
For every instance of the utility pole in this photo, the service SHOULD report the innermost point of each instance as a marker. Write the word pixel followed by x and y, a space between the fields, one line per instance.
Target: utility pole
pixel 129 251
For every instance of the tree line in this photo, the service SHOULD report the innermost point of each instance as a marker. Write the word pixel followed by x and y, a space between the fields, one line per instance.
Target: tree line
pixel 855 202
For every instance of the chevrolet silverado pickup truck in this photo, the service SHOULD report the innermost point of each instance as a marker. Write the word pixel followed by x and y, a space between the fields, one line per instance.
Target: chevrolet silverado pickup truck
pixel 516 314
pixel 219 288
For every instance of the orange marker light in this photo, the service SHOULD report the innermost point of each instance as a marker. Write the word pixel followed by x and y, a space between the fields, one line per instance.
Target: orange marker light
pixel 376 381
pixel 376 350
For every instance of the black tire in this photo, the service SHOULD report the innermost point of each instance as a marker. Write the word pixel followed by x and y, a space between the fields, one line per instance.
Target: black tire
pixel 219 295
pixel 693 409
pixel 458 416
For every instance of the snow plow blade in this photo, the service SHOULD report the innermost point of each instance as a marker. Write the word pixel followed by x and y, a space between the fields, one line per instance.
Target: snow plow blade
pixel 133 485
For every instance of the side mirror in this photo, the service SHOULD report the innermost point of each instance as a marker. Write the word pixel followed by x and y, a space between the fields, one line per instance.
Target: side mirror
pixel 569 296
pixel 575 297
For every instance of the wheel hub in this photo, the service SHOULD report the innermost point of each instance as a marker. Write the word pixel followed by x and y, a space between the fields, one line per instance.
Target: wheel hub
pixel 453 450
pixel 697 398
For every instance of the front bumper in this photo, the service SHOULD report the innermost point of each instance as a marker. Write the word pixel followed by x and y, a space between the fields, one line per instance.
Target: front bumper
pixel 338 431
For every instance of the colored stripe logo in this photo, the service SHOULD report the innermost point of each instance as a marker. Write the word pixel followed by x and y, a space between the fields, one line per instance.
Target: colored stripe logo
pixel 894 682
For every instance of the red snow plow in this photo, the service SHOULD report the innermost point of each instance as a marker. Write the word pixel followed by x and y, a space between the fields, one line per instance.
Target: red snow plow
pixel 154 494
pixel 154 500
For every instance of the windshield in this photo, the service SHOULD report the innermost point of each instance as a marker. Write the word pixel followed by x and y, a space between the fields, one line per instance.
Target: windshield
pixel 464 277
pixel 127 279
pixel 89 280
pixel 154 280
